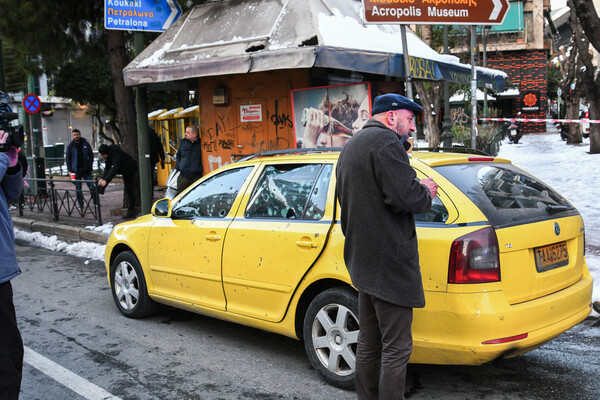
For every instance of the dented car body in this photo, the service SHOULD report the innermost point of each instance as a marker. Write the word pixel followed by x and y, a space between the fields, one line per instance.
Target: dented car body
pixel 259 243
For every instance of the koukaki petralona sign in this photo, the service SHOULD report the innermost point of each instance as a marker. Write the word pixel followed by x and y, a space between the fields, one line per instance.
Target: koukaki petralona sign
pixel 446 12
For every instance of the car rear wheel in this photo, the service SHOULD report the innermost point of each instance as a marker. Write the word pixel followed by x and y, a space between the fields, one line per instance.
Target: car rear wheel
pixel 331 335
pixel 129 287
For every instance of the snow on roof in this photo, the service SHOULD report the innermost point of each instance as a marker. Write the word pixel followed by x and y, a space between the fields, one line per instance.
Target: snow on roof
pixel 224 37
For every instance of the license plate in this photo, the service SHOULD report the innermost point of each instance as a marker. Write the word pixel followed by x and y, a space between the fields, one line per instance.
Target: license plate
pixel 513 132
pixel 551 256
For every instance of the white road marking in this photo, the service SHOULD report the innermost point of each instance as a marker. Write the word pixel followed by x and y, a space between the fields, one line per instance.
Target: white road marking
pixel 67 378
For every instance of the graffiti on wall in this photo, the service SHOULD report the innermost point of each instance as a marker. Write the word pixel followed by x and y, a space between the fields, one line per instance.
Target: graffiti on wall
pixel 459 117
pixel 229 139
pixel 281 120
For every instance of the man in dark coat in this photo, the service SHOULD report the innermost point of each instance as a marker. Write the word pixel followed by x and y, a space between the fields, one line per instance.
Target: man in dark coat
pixel 80 160
pixel 119 162
pixel 379 193
pixel 189 158
pixel 156 153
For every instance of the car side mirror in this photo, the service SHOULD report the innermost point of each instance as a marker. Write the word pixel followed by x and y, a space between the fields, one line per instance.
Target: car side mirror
pixel 162 208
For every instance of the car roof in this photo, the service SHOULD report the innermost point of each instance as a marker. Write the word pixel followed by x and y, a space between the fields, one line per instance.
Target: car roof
pixel 430 157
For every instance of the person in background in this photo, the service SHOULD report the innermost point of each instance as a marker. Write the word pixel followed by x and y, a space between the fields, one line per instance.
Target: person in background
pixel 189 159
pixel 80 160
pixel 156 153
pixel 11 344
pixel 379 195
pixel 119 162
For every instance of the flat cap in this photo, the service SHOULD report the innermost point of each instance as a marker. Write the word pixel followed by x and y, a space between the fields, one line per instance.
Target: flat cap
pixel 392 101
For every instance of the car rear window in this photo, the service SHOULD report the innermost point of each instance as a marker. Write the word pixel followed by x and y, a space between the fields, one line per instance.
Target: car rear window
pixel 506 194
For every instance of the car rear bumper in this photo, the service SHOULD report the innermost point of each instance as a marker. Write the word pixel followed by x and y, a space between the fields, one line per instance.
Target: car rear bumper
pixel 452 327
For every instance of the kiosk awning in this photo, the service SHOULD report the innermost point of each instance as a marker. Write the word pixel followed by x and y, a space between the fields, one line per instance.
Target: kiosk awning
pixel 234 37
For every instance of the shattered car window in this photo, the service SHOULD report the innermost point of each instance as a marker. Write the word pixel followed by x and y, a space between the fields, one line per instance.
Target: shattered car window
pixel 212 198
pixel 437 213
pixel 506 194
pixel 290 191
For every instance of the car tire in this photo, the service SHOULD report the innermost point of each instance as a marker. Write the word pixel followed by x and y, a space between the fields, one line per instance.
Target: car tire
pixel 128 286
pixel 331 335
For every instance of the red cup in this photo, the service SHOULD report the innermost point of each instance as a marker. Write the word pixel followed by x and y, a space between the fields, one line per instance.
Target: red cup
pixel 72 176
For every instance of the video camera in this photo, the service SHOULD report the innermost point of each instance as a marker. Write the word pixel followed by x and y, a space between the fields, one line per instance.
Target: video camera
pixel 15 133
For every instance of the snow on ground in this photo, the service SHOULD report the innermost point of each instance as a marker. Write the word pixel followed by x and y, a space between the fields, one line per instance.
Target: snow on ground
pixel 87 250
pixel 569 169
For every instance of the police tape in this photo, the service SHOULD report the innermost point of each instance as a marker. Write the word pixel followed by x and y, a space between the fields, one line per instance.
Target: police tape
pixel 569 121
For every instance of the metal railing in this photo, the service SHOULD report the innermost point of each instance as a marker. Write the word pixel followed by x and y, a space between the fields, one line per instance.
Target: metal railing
pixel 58 197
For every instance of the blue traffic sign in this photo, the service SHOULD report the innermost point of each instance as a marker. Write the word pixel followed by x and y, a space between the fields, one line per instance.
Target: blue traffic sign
pixel 32 103
pixel 140 15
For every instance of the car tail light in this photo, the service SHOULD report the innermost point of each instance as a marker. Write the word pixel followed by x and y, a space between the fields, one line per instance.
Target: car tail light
pixel 481 158
pixel 474 258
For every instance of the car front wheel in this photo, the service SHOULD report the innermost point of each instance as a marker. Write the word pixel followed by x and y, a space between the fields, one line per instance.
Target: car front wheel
pixel 129 287
pixel 331 335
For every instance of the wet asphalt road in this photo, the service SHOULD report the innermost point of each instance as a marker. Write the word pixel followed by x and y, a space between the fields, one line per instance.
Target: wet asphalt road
pixel 67 315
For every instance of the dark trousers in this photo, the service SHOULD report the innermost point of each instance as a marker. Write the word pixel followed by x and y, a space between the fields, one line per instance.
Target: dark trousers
pixel 129 182
pixel 87 176
pixel 183 182
pixel 11 346
pixel 384 347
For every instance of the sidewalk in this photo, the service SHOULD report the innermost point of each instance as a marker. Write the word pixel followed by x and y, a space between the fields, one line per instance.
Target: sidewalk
pixel 76 227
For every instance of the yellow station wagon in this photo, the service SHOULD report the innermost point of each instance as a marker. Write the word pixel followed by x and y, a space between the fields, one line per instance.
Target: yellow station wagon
pixel 259 243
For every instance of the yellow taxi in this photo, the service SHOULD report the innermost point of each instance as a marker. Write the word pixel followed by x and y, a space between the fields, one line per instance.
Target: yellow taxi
pixel 259 243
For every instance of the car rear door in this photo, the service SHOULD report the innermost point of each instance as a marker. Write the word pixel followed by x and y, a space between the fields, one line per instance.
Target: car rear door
pixel 280 230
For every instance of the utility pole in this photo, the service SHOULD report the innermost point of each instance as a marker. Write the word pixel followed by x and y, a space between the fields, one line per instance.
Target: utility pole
pixel 141 106
pixel 447 135
pixel 473 87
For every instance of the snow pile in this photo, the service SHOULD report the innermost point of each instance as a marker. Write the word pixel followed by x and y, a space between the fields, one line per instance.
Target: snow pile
pixel 92 251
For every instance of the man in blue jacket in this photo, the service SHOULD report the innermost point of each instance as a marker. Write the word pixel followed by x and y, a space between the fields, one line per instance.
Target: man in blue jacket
pixel 80 159
pixel 189 158
pixel 11 345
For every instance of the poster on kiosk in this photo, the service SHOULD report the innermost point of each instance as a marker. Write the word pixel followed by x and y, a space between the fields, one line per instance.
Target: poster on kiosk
pixel 328 116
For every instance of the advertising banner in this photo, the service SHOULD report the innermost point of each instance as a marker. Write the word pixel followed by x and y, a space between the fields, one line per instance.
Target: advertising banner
pixel 328 116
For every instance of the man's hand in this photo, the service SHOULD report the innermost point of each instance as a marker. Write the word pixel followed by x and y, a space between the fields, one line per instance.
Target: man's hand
pixel 102 183
pixel 431 185
pixel 12 152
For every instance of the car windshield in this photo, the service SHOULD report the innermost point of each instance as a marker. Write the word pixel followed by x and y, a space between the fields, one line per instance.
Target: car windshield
pixel 506 194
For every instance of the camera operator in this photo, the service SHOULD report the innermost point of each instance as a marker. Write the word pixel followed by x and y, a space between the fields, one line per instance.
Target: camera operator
pixel 11 345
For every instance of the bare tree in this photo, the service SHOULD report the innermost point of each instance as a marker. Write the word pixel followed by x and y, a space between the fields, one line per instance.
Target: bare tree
pixel 430 94
pixel 586 31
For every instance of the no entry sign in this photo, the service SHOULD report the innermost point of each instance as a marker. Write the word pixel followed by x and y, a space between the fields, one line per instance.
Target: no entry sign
pixel 32 103
pixel 445 12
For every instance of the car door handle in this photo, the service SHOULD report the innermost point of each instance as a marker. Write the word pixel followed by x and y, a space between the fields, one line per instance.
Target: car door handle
pixel 307 243
pixel 213 237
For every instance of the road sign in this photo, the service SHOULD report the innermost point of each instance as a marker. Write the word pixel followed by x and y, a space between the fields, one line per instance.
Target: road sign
pixel 140 15
pixel 32 103
pixel 444 12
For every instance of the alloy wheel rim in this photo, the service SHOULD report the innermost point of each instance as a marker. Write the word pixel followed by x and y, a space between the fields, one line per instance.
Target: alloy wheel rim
pixel 126 286
pixel 334 339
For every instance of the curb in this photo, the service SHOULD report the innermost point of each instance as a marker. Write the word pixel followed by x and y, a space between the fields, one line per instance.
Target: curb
pixel 67 232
